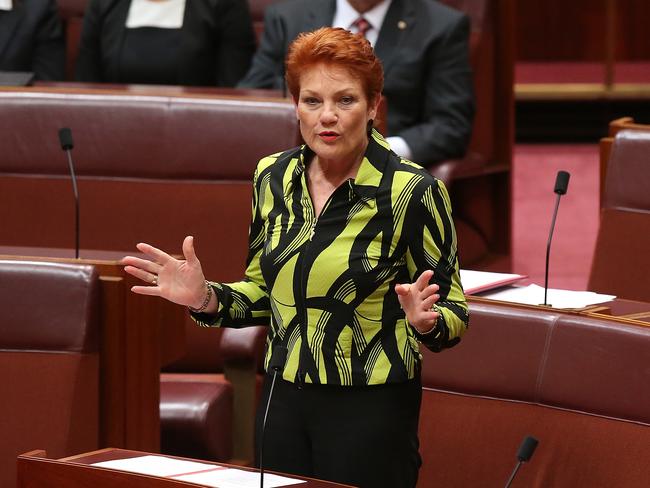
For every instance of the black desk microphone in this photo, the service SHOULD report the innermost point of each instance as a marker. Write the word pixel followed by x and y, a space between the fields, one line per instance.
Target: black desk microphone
pixel 278 360
pixel 561 184
pixel 524 454
pixel 65 138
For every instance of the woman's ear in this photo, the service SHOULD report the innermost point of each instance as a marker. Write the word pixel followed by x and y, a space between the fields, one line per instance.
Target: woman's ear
pixel 374 107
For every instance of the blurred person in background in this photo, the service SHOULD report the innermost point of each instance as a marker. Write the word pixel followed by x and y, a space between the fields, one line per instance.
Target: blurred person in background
pixel 31 38
pixel 166 42
pixel 424 48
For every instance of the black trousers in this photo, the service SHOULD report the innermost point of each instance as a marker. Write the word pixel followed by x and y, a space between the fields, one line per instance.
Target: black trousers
pixel 365 436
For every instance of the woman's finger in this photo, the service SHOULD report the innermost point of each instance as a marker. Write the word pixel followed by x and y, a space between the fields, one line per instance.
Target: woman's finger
pixel 157 255
pixel 428 291
pixel 423 280
pixel 146 290
pixel 402 289
pixel 145 276
pixel 430 301
pixel 145 264
pixel 188 251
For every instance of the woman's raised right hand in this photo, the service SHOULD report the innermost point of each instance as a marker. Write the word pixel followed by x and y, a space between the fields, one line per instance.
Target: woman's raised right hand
pixel 179 281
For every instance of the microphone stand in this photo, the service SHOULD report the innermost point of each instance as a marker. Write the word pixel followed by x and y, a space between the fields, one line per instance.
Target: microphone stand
pixel 76 204
pixel 277 365
pixel 514 472
pixel 548 246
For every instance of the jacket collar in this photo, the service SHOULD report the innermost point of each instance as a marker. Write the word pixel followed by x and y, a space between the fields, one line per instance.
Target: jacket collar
pixel 368 179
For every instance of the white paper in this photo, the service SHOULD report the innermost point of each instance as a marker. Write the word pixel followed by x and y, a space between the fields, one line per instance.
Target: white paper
pixel 534 295
pixel 237 478
pixel 155 465
pixel 476 281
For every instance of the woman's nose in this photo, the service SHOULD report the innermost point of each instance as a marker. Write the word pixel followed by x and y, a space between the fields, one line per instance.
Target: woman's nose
pixel 328 115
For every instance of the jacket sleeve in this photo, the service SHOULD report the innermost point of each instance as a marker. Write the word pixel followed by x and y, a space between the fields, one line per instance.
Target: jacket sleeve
pixel 246 302
pixel 448 104
pixel 432 245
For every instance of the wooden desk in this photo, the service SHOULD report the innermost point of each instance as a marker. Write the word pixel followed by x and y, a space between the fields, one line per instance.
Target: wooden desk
pixel 138 335
pixel 35 470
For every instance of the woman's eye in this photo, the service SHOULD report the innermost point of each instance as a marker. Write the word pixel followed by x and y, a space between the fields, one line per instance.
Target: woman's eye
pixel 310 101
pixel 347 100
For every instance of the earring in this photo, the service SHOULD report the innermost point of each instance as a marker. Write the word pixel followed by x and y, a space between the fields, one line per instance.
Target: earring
pixel 369 127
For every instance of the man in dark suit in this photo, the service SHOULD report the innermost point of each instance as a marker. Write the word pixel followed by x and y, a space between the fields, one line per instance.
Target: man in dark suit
pixel 31 39
pixel 424 47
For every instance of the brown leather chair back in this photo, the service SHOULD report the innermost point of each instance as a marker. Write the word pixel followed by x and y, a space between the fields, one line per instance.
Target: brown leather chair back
pixel 577 383
pixel 49 361
pixel 621 261
pixel 257 9
pixel 71 13
pixel 615 126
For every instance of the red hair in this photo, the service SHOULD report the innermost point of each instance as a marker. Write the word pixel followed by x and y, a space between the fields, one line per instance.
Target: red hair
pixel 339 47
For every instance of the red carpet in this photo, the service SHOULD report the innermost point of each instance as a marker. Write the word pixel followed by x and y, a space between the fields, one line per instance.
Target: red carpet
pixel 534 169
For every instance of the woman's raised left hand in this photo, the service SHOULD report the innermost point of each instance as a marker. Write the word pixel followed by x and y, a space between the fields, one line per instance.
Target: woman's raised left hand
pixel 417 300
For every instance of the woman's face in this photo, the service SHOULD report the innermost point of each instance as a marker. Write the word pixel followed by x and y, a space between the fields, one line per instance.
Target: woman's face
pixel 334 112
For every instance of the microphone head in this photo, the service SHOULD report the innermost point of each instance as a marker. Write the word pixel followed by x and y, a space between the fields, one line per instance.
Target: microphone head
pixel 65 138
pixel 527 449
pixel 278 358
pixel 561 182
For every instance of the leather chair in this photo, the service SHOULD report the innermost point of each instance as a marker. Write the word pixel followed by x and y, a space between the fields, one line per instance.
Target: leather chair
pixel 621 261
pixel 208 397
pixel 153 168
pixel 49 361
pixel 257 8
pixel 615 126
pixel 71 13
pixel 577 383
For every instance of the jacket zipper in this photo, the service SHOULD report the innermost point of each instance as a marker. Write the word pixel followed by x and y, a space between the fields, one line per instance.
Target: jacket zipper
pixel 303 283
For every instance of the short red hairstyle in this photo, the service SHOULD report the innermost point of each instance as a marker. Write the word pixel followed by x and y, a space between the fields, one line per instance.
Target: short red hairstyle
pixel 339 47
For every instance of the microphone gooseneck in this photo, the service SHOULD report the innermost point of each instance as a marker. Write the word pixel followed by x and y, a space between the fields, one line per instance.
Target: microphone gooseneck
pixel 525 452
pixel 276 364
pixel 65 139
pixel 561 184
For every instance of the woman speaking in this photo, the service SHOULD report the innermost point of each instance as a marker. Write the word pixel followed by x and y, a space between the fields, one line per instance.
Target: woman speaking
pixel 352 264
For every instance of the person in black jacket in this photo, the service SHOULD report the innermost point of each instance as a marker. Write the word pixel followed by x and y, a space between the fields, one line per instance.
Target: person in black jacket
pixel 424 47
pixel 31 39
pixel 166 42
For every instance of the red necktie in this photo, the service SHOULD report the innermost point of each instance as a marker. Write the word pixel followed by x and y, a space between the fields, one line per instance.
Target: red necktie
pixel 362 26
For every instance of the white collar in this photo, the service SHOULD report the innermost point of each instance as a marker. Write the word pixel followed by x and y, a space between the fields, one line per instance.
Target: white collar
pixel 165 15
pixel 6 4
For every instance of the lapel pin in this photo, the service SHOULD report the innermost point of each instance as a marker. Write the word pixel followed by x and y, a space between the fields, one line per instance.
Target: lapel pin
pixel 401 25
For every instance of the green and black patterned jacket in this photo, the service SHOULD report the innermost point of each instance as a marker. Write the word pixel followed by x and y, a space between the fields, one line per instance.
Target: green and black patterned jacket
pixel 325 284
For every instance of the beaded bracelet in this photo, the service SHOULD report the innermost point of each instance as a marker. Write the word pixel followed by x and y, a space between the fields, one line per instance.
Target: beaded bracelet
pixel 206 302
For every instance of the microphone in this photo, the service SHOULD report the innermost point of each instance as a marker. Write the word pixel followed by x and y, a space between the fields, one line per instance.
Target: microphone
pixel 528 446
pixel 65 138
pixel 561 184
pixel 276 364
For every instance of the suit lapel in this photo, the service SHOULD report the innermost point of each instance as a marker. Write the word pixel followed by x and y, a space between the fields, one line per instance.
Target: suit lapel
pixel 400 20
pixel 10 21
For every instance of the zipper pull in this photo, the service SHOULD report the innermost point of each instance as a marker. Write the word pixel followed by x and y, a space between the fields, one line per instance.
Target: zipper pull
pixel 313 229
